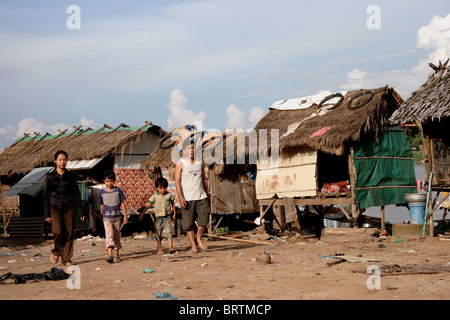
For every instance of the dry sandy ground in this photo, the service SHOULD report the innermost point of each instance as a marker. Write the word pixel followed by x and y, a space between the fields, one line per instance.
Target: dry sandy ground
pixel 229 270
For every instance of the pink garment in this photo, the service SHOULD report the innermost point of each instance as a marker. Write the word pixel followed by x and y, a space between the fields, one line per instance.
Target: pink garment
pixel 320 132
pixel 112 233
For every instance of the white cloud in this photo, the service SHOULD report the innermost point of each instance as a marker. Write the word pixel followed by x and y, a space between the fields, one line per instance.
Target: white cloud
pixel 355 79
pixel 435 37
pixel 436 34
pixel 32 126
pixel 86 123
pixel 236 117
pixel 179 115
pixel 256 113
pixel 7 130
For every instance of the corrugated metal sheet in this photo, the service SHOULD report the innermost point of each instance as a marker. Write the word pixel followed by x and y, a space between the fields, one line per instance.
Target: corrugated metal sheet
pixel 83 164
pixel 26 227
pixel 31 184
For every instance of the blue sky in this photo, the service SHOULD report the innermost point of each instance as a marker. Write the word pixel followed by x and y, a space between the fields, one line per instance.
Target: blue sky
pixel 223 62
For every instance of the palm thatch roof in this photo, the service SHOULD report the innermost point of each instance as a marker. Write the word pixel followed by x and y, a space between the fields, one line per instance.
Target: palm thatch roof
pixel 30 152
pixel 345 126
pixel 431 101
pixel 332 131
pixel 166 158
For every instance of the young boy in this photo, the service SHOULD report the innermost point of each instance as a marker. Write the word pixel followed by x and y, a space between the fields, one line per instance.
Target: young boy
pixel 165 211
pixel 111 200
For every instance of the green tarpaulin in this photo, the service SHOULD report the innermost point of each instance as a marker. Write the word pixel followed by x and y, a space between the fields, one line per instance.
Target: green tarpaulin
pixel 32 184
pixel 385 170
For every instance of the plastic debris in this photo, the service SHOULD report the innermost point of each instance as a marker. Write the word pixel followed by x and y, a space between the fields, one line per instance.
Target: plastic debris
pixel 278 238
pixel 90 237
pixel 148 270
pixel 327 256
pixel 165 296
pixel 54 274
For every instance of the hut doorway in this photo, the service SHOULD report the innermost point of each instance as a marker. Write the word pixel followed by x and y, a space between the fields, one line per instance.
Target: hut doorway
pixel 332 169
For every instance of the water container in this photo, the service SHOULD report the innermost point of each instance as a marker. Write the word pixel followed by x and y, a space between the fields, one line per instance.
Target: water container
pixel 417 212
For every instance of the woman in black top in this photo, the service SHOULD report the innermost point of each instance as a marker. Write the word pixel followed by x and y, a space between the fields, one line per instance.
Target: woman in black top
pixel 61 196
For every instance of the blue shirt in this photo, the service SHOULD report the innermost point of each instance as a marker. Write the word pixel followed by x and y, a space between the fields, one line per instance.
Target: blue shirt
pixel 111 201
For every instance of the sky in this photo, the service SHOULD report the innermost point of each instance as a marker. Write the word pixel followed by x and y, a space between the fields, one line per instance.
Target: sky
pixel 221 62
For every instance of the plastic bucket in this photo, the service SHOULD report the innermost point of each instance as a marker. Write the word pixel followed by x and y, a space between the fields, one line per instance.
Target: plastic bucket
pixel 417 212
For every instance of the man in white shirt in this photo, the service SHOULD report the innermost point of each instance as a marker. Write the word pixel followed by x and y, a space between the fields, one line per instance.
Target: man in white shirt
pixel 193 195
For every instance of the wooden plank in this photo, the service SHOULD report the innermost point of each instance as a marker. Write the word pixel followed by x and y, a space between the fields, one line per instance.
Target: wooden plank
pixel 291 177
pixel 352 174
pixel 290 210
pixel 235 239
pixel 310 201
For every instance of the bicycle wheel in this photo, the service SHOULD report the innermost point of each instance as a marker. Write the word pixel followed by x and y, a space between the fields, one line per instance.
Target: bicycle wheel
pixel 331 96
pixel 362 93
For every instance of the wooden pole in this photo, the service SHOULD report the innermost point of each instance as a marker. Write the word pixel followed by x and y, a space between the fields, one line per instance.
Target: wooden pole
pixel 343 209
pixel 263 213
pixel 267 209
pixel 220 220
pixel 383 224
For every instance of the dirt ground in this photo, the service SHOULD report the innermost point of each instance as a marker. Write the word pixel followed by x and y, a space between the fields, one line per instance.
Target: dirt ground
pixel 229 270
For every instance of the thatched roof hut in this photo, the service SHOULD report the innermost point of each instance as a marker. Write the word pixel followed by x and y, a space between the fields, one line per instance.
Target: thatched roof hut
pixel 163 157
pixel 232 190
pixel 91 153
pixel 30 152
pixel 430 102
pixel 345 125
pixel 345 153
pixel 429 109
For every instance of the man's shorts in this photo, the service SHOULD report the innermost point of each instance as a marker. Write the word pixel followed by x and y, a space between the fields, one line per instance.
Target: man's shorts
pixel 197 210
